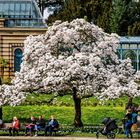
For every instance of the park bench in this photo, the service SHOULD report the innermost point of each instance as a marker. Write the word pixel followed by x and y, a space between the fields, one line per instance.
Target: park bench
pixel 5 128
pixel 63 129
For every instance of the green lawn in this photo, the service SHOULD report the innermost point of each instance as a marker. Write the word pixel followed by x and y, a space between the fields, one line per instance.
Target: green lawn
pixel 65 115
pixel 43 99
pixel 62 107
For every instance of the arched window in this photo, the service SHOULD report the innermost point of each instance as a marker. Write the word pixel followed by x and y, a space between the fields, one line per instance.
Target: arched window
pixel 132 55
pixel 17 59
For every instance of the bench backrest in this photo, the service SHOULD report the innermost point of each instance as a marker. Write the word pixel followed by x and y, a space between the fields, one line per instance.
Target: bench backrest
pixel 6 125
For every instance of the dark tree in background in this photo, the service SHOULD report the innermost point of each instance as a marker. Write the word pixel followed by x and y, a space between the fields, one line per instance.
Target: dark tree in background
pixel 134 25
pixel 96 11
pixel 103 19
pixel 118 10
pixel 118 16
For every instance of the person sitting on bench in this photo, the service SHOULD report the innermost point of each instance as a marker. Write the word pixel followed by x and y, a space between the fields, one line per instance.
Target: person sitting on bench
pixel 39 125
pixel 51 126
pixel 15 126
pixel 30 126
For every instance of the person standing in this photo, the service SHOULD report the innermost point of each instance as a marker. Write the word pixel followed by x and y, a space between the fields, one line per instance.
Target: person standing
pixel 128 123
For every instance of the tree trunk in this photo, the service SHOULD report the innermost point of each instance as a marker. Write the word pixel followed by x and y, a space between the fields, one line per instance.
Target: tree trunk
pixel 77 105
pixel 129 104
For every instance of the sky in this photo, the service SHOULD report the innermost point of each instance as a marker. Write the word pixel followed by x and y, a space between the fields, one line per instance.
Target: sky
pixel 50 10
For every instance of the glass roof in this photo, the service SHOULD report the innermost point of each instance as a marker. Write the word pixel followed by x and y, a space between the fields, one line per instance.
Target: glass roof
pixel 130 39
pixel 21 13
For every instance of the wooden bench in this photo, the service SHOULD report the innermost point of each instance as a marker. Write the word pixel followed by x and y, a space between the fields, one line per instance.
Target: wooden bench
pixel 136 131
pixel 62 130
pixel 5 126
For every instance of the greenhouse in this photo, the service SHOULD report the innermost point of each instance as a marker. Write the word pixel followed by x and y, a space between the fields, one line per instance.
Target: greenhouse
pixel 130 48
pixel 18 19
pixel 20 13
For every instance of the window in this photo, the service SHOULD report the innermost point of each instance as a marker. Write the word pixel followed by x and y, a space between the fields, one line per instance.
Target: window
pixel 17 59
pixel 17 12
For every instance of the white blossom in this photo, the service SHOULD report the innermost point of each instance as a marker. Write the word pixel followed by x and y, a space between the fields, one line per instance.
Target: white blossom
pixel 76 54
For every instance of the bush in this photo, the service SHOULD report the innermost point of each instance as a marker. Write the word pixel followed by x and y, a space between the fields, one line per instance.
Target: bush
pixel 65 115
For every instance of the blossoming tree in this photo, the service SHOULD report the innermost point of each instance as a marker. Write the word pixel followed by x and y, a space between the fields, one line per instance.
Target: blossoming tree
pixel 77 57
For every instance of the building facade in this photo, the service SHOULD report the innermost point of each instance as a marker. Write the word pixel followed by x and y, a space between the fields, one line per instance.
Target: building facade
pixel 130 48
pixel 21 18
pixel 18 19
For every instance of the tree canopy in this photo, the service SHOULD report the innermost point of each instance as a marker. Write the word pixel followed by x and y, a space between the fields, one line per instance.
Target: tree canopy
pixel 72 55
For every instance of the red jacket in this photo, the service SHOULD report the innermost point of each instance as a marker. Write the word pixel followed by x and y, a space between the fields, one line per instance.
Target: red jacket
pixel 16 124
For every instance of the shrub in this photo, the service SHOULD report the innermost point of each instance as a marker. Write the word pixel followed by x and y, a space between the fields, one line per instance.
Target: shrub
pixel 65 115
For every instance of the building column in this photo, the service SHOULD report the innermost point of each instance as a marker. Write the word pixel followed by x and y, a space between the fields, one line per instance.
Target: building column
pixel 121 53
pixel 137 53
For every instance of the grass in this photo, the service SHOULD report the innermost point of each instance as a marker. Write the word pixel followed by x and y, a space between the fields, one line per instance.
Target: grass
pixel 65 115
pixel 75 134
pixel 43 99
pixel 62 107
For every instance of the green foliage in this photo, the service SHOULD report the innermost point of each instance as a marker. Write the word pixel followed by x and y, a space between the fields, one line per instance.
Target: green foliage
pixel 133 21
pixel 96 11
pixel 3 65
pixel 63 108
pixel 67 100
pixel 3 62
pixel 71 10
pixel 6 80
pixel 96 115
pixel 85 18
pixel 103 18
pixel 134 29
pixel 65 115
pixel 118 16
pixel 38 99
pixel 117 13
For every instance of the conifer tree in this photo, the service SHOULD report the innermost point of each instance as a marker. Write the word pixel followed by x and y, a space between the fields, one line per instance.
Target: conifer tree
pixel 117 13
pixel 103 18
pixel 134 22
pixel 96 11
